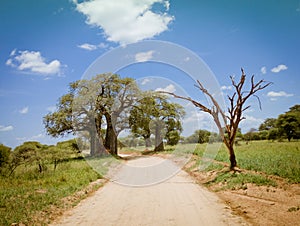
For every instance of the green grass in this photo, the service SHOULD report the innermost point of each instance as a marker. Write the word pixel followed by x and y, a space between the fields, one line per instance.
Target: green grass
pixel 240 180
pixel 28 191
pixel 273 158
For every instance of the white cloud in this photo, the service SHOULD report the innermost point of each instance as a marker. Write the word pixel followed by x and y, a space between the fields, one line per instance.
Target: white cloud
pixel 250 122
pixel 279 94
pixel 226 87
pixel 197 116
pixel 145 81
pixel 87 46
pixel 6 128
pixel 24 110
pixel 13 52
pixel 280 67
pixel 195 120
pixel 102 45
pixel 36 137
pixel 263 70
pixel 144 56
pixel 126 21
pixel 91 47
pixel 9 62
pixel 33 62
pixel 169 88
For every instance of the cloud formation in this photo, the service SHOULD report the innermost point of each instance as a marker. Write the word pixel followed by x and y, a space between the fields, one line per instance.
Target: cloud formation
pixel 250 122
pixel 145 81
pixel 263 70
pixel 169 88
pixel 279 94
pixel 91 47
pixel 31 61
pixel 226 87
pixel 126 21
pixel 24 110
pixel 144 56
pixel 6 128
pixel 279 68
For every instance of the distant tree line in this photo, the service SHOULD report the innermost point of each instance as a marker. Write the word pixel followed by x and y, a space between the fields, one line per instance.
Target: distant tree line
pixel 285 126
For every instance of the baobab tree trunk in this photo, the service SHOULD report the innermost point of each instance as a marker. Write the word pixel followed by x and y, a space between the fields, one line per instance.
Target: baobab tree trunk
pixel 111 140
pixel 96 144
pixel 159 145
pixel 92 142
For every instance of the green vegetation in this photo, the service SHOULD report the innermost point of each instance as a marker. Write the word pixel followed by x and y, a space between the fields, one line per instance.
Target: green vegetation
pixel 35 178
pixel 107 104
pixel 272 158
pixel 239 180
pixel 154 115
pixel 286 126
pixel 28 191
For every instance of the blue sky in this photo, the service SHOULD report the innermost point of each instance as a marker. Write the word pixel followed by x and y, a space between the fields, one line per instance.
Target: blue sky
pixel 45 45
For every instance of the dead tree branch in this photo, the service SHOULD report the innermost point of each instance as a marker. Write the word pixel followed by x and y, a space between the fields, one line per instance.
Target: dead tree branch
pixel 235 109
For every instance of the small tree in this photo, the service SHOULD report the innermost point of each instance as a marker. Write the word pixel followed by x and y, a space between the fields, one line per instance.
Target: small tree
pixel 234 115
pixel 27 153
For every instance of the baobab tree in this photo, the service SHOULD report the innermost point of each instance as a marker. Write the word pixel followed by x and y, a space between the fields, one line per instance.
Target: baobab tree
pixel 228 123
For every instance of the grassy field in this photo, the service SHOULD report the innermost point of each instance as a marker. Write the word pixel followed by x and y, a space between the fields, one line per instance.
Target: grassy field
pixel 271 158
pixel 27 191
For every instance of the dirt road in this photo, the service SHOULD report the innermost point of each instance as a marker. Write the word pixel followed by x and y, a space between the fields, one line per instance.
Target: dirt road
pixel 176 201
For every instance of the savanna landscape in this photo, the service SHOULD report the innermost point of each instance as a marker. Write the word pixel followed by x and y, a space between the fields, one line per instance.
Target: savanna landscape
pixel 149 112
pixel 40 182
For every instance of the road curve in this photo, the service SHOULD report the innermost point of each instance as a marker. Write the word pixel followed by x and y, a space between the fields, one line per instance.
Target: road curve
pixel 178 200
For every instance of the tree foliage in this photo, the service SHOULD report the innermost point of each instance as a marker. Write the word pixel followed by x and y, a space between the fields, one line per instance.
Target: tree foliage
pixel 27 153
pixel 92 104
pixel 155 115
pixel 268 124
pixel 199 136
pixel 285 126
pixel 289 123
pixel 5 152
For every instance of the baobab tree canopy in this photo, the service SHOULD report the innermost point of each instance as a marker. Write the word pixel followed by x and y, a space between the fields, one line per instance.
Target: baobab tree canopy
pixel 90 103
pixel 106 105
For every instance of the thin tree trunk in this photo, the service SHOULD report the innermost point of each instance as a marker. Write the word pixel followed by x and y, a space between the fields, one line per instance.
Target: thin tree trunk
pixel 232 158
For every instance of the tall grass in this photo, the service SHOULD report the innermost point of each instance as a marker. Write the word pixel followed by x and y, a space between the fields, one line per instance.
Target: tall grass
pixel 273 158
pixel 28 191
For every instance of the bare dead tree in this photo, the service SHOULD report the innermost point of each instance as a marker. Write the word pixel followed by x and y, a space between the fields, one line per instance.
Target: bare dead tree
pixel 234 114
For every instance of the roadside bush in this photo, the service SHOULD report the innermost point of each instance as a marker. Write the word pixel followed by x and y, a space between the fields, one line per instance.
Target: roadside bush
pixel 4 157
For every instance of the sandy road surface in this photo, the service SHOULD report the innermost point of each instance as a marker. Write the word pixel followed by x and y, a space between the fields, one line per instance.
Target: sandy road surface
pixel 176 201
